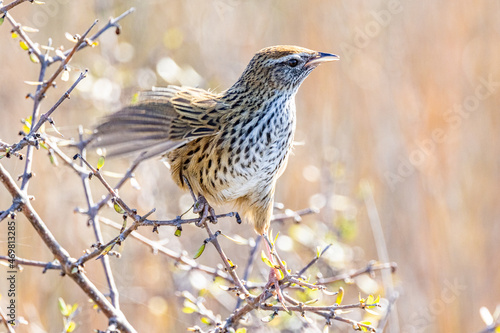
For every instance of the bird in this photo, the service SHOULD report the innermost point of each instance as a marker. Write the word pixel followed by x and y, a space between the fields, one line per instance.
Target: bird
pixel 228 147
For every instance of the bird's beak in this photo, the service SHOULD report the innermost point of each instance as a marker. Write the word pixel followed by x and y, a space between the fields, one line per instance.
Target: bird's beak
pixel 322 57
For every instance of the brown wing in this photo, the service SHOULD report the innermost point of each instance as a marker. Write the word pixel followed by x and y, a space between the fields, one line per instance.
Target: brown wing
pixel 162 119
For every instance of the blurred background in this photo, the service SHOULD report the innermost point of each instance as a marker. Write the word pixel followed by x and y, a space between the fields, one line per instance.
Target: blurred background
pixel 408 117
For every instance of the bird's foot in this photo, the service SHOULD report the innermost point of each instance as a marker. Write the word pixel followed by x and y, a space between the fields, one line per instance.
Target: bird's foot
pixel 202 207
pixel 274 281
pixel 275 275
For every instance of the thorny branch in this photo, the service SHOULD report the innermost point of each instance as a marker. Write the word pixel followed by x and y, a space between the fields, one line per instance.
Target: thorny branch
pixel 67 262
pixel 20 198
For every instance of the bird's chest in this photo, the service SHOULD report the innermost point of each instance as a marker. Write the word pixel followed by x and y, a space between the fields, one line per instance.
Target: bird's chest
pixel 260 153
pixel 244 158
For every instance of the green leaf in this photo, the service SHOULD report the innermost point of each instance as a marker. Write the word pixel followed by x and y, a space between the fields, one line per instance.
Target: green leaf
pixel 189 307
pixel 124 224
pixel 34 58
pixel 14 35
pixel 188 310
pixel 230 262
pixel 70 327
pixel 100 162
pixel 372 300
pixel 206 321
pixel 312 301
pixel 200 251
pixel 118 208
pixel 74 307
pixel 237 239
pixel 266 260
pixel 178 232
pixel 27 124
pixel 105 251
pixel 62 307
pixel 23 45
pixel 1 20
pixel 241 330
pixel 340 296
pixel 282 275
pixel 364 329
pixel 276 238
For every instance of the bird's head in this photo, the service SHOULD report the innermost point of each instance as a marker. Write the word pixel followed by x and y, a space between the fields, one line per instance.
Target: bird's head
pixel 282 68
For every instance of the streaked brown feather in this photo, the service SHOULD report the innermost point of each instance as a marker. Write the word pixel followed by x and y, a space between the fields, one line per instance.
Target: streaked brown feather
pixel 162 119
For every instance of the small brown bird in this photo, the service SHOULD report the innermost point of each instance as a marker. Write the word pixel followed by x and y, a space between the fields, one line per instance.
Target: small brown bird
pixel 230 146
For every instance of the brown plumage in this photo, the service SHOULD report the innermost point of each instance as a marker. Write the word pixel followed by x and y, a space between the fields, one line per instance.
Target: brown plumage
pixel 231 146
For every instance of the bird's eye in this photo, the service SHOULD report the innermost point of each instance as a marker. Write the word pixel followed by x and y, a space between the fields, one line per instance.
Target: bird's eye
pixel 293 62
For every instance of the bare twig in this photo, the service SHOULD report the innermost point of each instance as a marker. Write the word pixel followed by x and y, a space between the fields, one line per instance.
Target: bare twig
pixel 372 267
pixel 66 261
pixel 295 215
pixel 20 261
pixel 46 116
pixel 112 23
pixel 178 257
pixel 31 137
pixel 312 262
pixel 249 265
pixel 11 5
pixel 94 221
pixel 242 290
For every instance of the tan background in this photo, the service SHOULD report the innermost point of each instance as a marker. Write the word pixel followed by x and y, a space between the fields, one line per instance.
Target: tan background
pixel 406 109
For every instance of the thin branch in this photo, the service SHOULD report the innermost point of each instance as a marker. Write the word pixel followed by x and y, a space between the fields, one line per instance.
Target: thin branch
pixel 13 208
pixel 94 220
pixel 372 267
pixel 46 116
pixel 66 159
pixel 11 5
pixel 31 138
pixel 112 23
pixel 129 174
pixel 45 86
pixel 178 257
pixel 295 215
pixel 249 265
pixel 229 267
pixel 27 262
pixel 313 261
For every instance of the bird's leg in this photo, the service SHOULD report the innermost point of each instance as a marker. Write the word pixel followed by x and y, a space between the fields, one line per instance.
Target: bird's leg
pixel 202 207
pixel 274 273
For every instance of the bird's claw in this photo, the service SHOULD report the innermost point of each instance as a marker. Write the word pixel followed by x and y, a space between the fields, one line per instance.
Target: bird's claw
pixel 202 207
pixel 274 280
